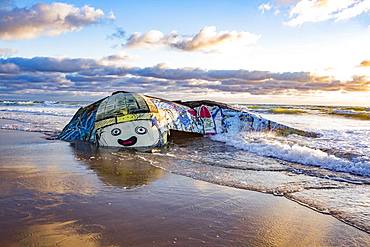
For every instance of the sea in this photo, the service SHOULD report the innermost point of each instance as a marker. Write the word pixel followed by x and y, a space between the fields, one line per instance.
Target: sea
pixel 330 173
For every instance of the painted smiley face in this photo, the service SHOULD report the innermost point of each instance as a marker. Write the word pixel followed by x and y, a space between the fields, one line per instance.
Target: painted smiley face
pixel 135 134
pixel 140 130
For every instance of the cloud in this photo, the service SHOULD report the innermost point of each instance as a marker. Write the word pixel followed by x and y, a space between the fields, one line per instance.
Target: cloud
pixel 6 4
pixel 49 64
pixel 44 75
pixel 46 19
pixel 65 65
pixel 150 38
pixel 119 33
pixel 322 10
pixel 207 39
pixel 6 52
pixel 265 7
pixel 365 63
pixel 8 68
pixel 115 60
pixel 358 84
pixel 286 2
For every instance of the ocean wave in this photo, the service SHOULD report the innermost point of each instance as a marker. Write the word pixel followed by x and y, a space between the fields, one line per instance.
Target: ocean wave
pixel 42 103
pixel 44 124
pixel 32 122
pixel 281 110
pixel 355 108
pixel 28 128
pixel 7 102
pixel 293 153
pixel 277 110
pixel 355 114
pixel 41 111
pixel 233 167
pixel 27 102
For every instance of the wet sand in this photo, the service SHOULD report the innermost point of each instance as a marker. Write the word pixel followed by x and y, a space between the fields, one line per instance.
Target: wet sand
pixel 54 193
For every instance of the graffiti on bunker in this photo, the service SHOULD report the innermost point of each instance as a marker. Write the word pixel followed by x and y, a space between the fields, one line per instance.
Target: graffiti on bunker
pixel 133 120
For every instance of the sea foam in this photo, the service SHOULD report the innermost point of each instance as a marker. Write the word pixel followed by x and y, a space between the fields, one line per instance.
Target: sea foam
pixel 261 144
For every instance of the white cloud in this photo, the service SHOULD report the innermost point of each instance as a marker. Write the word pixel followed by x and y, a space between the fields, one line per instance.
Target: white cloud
pixel 153 37
pixel 265 7
pixel 208 39
pixel 46 19
pixel 322 10
pixel 357 9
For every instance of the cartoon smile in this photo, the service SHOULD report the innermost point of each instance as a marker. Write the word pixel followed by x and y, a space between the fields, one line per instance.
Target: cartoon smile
pixel 128 142
pixel 132 134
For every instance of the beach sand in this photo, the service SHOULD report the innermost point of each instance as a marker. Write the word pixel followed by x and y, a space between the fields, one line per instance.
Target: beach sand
pixel 55 193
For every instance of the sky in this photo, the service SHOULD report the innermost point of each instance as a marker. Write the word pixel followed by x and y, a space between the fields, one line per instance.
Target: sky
pixel 277 51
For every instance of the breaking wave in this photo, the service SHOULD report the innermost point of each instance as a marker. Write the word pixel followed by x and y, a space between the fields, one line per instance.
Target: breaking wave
pixel 41 103
pixel 354 112
pixel 42 112
pixel 257 143
pixel 361 115
pixel 281 110
pixel 35 116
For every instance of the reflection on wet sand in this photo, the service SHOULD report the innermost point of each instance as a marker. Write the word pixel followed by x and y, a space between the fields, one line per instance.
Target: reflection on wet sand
pixel 50 179
pixel 62 234
pixel 280 235
pixel 43 198
pixel 117 168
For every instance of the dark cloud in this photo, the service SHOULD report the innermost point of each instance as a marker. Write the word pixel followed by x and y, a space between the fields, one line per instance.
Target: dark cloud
pixel 196 73
pixel 46 19
pixel 8 68
pixel 48 64
pixel 92 77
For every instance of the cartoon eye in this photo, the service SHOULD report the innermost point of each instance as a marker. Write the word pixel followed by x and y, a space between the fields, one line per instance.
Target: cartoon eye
pixel 115 132
pixel 140 130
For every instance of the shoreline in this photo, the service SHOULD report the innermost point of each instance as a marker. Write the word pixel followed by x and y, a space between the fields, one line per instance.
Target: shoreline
pixel 286 196
pixel 106 184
